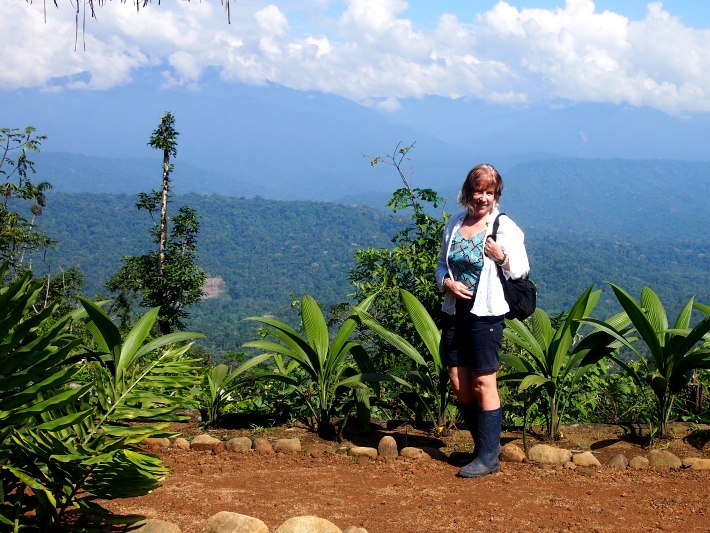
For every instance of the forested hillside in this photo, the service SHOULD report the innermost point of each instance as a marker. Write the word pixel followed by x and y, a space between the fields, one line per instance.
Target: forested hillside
pixel 258 252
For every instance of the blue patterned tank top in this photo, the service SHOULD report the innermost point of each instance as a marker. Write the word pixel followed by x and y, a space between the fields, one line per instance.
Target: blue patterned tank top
pixel 466 259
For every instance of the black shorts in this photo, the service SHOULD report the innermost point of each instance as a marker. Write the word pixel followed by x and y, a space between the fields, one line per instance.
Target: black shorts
pixel 472 341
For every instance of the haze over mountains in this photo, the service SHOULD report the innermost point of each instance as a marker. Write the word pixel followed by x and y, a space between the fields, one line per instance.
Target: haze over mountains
pixel 274 142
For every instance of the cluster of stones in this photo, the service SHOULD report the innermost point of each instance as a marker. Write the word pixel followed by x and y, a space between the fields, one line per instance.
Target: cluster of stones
pixel 225 522
pixel 542 453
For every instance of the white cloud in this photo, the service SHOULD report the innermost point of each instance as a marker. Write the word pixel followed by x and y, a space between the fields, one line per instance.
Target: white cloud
pixel 371 51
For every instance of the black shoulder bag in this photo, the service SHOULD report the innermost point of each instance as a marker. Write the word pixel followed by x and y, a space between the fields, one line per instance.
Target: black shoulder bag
pixel 520 293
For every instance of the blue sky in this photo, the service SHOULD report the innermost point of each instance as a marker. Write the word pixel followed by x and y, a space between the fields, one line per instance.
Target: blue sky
pixel 378 52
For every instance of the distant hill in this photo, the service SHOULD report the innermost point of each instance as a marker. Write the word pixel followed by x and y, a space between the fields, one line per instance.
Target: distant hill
pixel 617 198
pixel 259 252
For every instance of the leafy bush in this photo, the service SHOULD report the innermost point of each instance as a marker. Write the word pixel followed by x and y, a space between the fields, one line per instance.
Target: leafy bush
pixel 68 441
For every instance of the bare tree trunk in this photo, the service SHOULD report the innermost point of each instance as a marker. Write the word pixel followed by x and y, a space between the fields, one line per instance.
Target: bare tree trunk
pixel 164 211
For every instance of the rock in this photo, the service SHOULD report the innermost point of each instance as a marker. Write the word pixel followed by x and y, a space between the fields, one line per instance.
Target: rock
pixel 618 461
pixel 204 442
pixel 639 462
pixel 512 454
pixel 663 458
pixel 362 451
pixel 422 453
pixel 569 465
pixel 181 444
pixel 585 459
pixel 387 447
pixel 219 448
pixel 697 463
pixel 238 444
pixel 157 443
pixel 307 524
pixel 263 446
pixel 318 449
pixel 226 522
pixel 152 525
pixel 434 453
pixel 543 453
pixel 342 450
pixel 354 529
pixel 287 446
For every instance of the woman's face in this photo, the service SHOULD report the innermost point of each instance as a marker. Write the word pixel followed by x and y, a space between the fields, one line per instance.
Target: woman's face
pixel 483 201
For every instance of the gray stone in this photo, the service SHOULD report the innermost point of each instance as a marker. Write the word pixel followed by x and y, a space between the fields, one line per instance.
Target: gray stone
pixel 639 462
pixel 664 459
pixel 387 447
pixel 204 442
pixel 181 444
pixel 618 461
pixel 307 524
pixel 152 525
pixel 512 453
pixel 585 459
pixel 157 442
pixel 226 522
pixel 238 444
pixel 543 453
pixel 287 446
pixel 263 446
pixel 363 451
pixel 434 453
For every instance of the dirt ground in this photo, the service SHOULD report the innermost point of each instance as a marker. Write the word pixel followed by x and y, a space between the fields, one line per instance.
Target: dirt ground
pixel 403 496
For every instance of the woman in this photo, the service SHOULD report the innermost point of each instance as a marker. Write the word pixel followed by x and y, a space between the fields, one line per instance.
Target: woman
pixel 474 308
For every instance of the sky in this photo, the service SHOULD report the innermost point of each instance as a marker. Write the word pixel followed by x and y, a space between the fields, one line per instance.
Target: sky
pixel 377 52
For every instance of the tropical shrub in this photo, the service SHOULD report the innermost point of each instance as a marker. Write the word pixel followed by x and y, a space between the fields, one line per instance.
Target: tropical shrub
pixel 69 440
pixel 429 381
pixel 552 364
pixel 331 368
pixel 673 353
pixel 222 384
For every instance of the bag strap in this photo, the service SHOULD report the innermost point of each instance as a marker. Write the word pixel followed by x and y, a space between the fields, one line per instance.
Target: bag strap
pixel 496 223
pixel 494 234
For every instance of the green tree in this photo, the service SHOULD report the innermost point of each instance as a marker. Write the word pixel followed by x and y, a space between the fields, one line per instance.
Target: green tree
pixel 168 277
pixel 411 264
pixel 18 234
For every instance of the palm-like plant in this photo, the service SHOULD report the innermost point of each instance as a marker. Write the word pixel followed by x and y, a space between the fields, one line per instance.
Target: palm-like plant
pixel 430 379
pixel 69 444
pixel 222 383
pixel 554 364
pixel 673 352
pixel 331 366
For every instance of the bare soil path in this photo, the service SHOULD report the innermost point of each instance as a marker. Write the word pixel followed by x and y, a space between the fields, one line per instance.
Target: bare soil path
pixel 402 496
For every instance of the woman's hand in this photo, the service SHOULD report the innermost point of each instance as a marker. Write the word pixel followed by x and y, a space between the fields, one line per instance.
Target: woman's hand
pixel 493 250
pixel 458 289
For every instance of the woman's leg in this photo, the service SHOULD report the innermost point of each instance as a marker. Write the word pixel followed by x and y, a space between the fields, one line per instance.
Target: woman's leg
pixel 485 389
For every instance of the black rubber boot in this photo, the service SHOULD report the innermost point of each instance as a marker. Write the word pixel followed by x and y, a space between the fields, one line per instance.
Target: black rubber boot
pixel 489 427
pixel 469 413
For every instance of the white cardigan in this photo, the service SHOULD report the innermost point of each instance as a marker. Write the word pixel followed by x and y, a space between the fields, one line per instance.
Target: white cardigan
pixel 489 300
